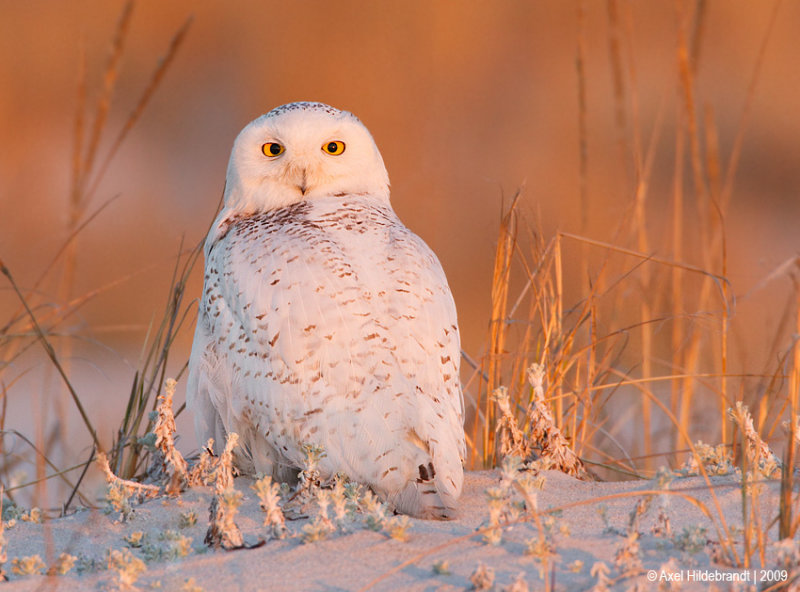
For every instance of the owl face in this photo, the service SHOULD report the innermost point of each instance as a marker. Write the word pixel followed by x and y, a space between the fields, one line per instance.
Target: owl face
pixel 302 151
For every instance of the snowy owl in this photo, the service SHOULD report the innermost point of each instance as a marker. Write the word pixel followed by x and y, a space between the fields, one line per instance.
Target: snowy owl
pixel 325 321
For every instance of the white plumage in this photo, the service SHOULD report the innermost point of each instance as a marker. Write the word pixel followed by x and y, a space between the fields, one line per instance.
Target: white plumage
pixel 325 321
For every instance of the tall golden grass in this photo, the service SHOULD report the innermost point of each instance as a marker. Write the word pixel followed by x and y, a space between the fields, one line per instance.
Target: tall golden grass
pixel 638 292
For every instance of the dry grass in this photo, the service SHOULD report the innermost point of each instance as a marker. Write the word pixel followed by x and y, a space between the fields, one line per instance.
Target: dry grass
pixel 648 330
pixel 651 326
pixel 38 321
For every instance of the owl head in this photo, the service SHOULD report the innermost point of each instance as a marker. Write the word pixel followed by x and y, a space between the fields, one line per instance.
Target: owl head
pixel 302 151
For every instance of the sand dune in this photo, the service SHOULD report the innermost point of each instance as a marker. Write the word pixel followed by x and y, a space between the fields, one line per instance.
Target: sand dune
pixel 364 559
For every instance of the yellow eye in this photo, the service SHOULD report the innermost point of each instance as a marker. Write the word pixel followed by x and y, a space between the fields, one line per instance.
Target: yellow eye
pixel 272 149
pixel 334 148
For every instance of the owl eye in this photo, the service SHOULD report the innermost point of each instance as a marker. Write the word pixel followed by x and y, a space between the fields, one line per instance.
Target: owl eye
pixel 272 149
pixel 333 148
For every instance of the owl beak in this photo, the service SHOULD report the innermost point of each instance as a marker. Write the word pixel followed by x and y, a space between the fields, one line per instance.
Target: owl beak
pixel 303 186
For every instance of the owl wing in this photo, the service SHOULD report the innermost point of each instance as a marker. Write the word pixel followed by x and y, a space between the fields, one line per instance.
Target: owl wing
pixel 428 352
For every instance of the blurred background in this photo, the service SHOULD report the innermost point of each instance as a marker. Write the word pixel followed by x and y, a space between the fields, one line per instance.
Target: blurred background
pixel 467 102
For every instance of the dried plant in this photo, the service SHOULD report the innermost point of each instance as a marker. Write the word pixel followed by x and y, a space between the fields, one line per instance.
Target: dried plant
pixel 600 571
pixel 639 510
pixel 222 530
pixel 543 550
pixel 792 428
pixel 518 585
pixel 309 484
pixel 758 453
pixel 527 485
pixel 172 462
pixel 191 586
pixel 321 526
pixel 482 578
pixel 134 539
pixel 222 474
pixel 716 460
pixel 127 566
pixel 375 511
pixel 316 530
pixel 269 499
pixel 397 527
pixel 510 470
pixel 543 446
pixel 142 489
pixel 718 555
pixel 787 556
pixel 627 556
pixel 28 566
pixel 344 501
pixel 202 471
pixel 63 564
pixel 120 491
pixel 552 448
pixel 187 519
pixel 498 502
pixel 662 527
pixel 90 564
pixel 503 507
pixel 691 539
pixel 575 566
pixel 512 440
pixel 608 528
pixel 670 567
pixel 33 515
pixel 172 545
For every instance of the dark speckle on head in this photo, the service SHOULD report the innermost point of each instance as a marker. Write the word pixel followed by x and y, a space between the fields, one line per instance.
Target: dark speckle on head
pixel 307 106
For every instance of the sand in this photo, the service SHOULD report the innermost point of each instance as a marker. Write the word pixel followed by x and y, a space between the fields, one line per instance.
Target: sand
pixel 363 559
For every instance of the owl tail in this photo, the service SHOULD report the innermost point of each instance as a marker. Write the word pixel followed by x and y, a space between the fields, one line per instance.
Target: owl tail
pixel 423 499
pixel 434 493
